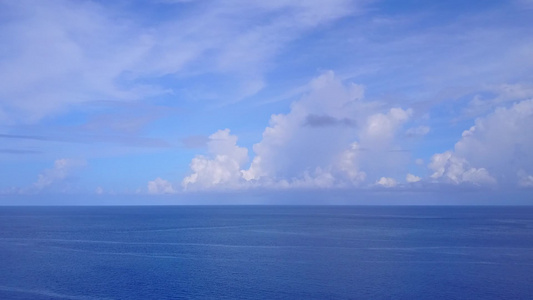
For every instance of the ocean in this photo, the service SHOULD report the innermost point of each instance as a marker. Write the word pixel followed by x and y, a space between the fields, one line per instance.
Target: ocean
pixel 266 252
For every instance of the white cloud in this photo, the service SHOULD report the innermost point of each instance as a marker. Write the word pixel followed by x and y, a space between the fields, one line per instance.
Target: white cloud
pixel 386 182
pixel 348 164
pixel 450 168
pixel 317 179
pixel 290 146
pixel 314 145
pixel 496 148
pixel 222 167
pixel 62 53
pixel 410 178
pixel 160 186
pixel 293 145
pixel 499 95
pixel 439 163
pixel 380 128
pixel 62 170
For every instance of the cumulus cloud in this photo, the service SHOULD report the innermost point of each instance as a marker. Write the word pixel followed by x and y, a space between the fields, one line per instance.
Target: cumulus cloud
pixel 312 147
pixel 381 127
pixel 495 149
pixel 62 170
pixel 222 166
pixel 450 168
pixel 410 178
pixel 291 147
pixel 316 144
pixel 386 182
pixel 348 164
pixel 160 186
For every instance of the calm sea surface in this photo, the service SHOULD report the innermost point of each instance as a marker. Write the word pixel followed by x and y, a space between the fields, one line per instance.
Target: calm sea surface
pixel 266 252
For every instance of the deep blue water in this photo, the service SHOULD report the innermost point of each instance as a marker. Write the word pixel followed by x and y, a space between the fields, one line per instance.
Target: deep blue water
pixel 266 252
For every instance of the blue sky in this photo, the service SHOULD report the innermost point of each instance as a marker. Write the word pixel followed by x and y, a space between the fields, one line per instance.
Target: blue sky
pixel 177 101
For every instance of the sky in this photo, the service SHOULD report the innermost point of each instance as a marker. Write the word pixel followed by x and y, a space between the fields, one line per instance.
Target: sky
pixel 266 102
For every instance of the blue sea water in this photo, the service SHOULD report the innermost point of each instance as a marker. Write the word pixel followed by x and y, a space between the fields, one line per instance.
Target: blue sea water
pixel 266 252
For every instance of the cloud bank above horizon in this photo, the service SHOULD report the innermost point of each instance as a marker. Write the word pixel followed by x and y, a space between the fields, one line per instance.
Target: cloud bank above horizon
pixel 336 153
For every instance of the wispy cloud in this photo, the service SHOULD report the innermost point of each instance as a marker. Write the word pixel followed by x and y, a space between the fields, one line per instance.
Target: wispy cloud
pixel 62 53
pixel 129 140
pixel 24 137
pixel 63 169
pixel 19 151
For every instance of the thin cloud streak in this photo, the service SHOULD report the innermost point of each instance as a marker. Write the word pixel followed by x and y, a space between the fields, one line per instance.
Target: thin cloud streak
pixel 133 141
pixel 20 151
